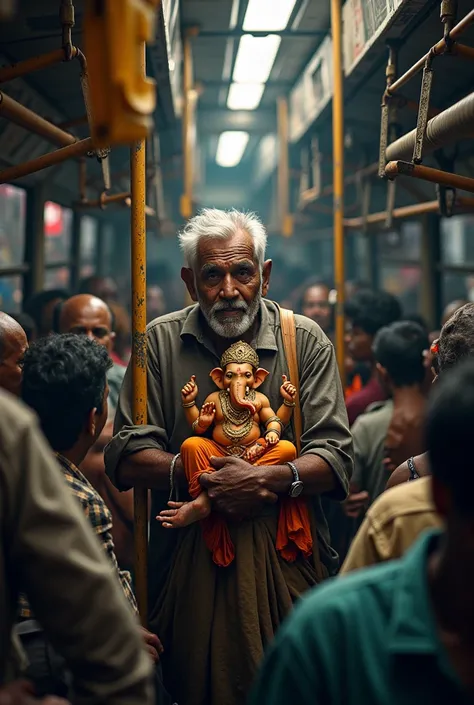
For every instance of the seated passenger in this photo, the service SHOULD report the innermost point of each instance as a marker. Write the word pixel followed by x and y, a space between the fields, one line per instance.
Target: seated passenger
pixel 400 632
pixel 13 344
pixel 64 381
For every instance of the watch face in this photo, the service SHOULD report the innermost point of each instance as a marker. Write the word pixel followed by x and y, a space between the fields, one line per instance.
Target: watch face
pixel 296 489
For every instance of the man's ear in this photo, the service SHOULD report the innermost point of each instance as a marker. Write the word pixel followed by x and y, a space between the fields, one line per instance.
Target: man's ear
pixel 266 271
pixel 217 376
pixel 187 275
pixel 260 376
pixel 91 422
pixel 382 372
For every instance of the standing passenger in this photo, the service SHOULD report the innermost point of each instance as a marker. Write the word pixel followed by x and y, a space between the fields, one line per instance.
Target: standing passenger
pixel 215 623
pixel 41 307
pixel 13 344
pixel 315 305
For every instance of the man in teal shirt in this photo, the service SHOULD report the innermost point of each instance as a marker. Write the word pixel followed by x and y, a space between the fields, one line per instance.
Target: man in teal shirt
pixel 401 632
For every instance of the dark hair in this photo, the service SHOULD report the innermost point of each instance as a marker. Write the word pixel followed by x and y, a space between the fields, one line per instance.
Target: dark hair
pixel 64 378
pixel 36 303
pixel 27 323
pixel 59 307
pixel 399 348
pixel 309 284
pixel 456 340
pixel 449 425
pixel 372 310
pixel 416 318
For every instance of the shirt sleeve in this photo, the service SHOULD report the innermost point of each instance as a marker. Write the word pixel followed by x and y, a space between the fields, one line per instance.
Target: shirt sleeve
pixel 359 437
pixel 128 437
pixel 72 588
pixel 325 426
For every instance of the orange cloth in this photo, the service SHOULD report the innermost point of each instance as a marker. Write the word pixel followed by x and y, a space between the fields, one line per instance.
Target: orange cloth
pixel 294 530
pixel 356 386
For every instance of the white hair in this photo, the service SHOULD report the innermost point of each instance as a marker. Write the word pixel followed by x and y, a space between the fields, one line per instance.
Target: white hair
pixel 219 224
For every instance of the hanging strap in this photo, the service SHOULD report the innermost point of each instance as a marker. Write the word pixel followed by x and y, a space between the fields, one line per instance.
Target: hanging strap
pixel 288 332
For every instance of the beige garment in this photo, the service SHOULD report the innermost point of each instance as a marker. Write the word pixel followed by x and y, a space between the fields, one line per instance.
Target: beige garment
pixel 392 525
pixel 48 549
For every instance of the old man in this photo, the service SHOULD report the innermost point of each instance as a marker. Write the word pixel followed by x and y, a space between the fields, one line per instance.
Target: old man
pixel 215 622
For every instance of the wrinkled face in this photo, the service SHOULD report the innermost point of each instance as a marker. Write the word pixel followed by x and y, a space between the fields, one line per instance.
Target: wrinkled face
pixel 239 372
pixel 317 307
pixel 228 284
pixel 92 319
pixel 15 345
pixel 359 343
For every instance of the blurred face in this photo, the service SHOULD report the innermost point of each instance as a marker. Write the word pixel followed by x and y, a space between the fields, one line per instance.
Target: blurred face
pixel 359 343
pixel 11 364
pixel 317 307
pixel 155 302
pixel 87 315
pixel 228 284
pixel 47 318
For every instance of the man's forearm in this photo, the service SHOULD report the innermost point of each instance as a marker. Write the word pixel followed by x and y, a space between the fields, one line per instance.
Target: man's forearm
pixel 315 474
pixel 150 468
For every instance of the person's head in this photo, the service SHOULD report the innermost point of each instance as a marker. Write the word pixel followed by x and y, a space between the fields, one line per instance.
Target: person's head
pixel 399 352
pixel 65 383
pixel 13 344
pixel 225 270
pixel 367 312
pixel 87 315
pixel 41 309
pixel 28 325
pixel 450 421
pixel 416 318
pixel 451 308
pixel 103 287
pixel 155 302
pixel 315 304
pixel 456 340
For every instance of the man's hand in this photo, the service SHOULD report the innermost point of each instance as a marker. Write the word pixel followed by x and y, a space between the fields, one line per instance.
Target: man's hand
pixel 153 645
pixel 22 693
pixel 355 504
pixel 237 489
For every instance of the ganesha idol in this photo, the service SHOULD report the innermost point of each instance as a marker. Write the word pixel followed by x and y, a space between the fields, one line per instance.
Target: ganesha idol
pixel 237 413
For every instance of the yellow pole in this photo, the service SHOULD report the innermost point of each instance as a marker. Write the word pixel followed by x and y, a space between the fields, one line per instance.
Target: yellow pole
pixel 286 221
pixel 338 177
pixel 139 352
pixel 188 128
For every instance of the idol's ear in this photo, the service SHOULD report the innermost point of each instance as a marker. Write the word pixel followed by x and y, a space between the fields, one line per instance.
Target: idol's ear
pixel 260 376
pixel 217 376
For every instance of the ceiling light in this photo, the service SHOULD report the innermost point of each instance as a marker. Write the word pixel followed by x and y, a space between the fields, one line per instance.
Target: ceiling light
pixel 255 58
pixel 231 147
pixel 267 15
pixel 245 96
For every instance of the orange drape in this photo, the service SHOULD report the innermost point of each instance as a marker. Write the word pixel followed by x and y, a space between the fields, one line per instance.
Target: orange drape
pixel 294 531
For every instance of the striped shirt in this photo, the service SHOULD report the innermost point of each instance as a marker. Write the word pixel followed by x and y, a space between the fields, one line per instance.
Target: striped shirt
pixel 100 519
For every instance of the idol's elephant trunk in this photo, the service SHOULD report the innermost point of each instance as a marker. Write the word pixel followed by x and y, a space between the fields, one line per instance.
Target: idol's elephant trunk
pixel 237 395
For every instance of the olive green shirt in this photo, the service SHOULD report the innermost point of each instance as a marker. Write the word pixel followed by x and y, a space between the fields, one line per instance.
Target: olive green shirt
pixel 178 348
pixel 368 433
pixel 48 549
pixel 369 638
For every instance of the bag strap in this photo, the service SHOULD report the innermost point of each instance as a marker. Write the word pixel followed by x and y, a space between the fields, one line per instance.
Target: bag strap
pixel 288 332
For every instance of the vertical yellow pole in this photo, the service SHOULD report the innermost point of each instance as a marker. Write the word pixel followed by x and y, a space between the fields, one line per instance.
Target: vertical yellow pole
pixel 286 221
pixel 338 176
pixel 188 128
pixel 139 351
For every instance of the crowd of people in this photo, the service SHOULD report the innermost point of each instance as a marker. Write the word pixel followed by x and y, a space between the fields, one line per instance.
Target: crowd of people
pixel 380 492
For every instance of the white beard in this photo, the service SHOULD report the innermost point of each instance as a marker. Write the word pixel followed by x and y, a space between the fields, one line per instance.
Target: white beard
pixel 233 327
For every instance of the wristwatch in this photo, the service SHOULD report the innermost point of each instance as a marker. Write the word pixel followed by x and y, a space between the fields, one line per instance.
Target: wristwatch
pixel 296 486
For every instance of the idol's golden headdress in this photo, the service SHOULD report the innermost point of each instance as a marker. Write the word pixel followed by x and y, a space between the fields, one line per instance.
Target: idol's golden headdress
pixel 240 353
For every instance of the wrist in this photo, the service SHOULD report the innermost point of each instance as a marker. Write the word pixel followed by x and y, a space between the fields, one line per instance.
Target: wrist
pixel 276 478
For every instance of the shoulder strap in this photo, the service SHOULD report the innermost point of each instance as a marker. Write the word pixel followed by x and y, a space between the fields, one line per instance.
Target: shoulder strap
pixel 288 332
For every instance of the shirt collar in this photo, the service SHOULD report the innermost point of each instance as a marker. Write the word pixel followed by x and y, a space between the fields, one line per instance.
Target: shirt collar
pixel 413 629
pixel 70 467
pixel 265 339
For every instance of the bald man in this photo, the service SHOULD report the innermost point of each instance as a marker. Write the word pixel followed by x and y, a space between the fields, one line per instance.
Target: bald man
pixel 85 314
pixel 13 344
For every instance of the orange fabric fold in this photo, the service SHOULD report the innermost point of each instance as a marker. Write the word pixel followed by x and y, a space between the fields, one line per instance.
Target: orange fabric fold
pixel 294 530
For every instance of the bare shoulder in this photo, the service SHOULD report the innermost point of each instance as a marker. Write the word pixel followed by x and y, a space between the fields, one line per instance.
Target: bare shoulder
pixel 262 400
pixel 212 397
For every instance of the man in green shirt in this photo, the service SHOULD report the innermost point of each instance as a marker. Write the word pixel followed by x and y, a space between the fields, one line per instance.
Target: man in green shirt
pixel 401 632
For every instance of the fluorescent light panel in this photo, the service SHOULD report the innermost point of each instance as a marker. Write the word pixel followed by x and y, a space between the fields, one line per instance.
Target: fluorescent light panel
pixel 231 147
pixel 268 15
pixel 245 96
pixel 255 58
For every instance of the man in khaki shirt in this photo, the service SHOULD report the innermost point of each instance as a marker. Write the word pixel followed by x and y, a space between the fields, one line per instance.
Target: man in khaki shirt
pixel 392 525
pixel 231 613
pixel 48 549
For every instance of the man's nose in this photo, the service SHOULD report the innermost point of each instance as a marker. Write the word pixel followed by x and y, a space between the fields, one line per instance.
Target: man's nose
pixel 90 335
pixel 228 290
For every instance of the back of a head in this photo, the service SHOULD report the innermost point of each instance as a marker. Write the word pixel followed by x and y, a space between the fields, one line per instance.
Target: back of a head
pixel 449 427
pixel 372 310
pixel 27 323
pixel 399 349
pixel 456 340
pixel 35 305
pixel 64 378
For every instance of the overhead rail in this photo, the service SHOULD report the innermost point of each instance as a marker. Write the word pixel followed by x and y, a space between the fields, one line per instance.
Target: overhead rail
pixel 462 203
pixel 73 151
pixel 426 173
pixel 11 110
